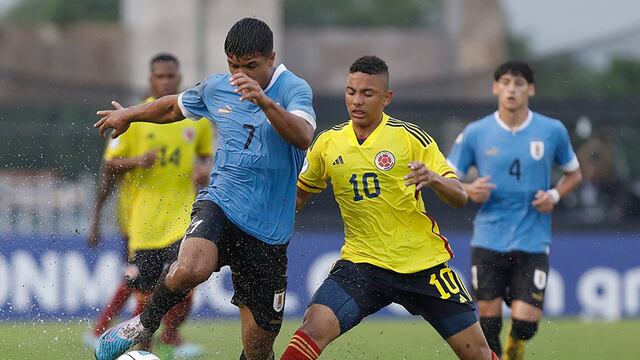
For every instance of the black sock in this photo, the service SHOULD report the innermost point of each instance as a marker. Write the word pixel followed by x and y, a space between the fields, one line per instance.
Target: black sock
pixel 161 301
pixel 491 327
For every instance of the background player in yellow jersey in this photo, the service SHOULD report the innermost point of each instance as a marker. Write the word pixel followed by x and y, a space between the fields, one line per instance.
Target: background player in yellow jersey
pixel 160 174
pixel 393 251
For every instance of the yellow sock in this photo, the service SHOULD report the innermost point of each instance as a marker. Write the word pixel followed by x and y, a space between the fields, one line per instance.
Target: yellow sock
pixel 513 349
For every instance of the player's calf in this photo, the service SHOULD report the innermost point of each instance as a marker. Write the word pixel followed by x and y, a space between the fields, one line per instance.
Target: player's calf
pixel 491 327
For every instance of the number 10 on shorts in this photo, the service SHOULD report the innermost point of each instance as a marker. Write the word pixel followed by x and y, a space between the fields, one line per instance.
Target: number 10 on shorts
pixel 452 283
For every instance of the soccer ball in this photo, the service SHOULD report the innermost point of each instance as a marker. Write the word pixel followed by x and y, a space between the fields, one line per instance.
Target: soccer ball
pixel 138 355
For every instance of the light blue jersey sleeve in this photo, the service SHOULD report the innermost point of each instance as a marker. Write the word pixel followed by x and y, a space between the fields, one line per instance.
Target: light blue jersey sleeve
pixel 299 101
pixel 462 155
pixel 564 156
pixel 192 101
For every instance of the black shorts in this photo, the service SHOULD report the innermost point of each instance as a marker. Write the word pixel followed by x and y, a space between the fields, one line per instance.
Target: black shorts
pixel 146 266
pixel 354 291
pixel 515 275
pixel 259 270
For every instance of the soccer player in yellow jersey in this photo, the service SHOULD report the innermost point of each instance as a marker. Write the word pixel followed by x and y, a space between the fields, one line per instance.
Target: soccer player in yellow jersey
pixel 394 251
pixel 162 166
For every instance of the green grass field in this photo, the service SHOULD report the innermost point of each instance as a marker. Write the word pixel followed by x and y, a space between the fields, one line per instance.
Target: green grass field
pixel 373 339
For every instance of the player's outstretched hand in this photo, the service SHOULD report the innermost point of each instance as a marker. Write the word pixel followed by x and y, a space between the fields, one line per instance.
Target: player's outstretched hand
pixel 543 202
pixel 248 88
pixel 480 189
pixel 420 175
pixel 113 119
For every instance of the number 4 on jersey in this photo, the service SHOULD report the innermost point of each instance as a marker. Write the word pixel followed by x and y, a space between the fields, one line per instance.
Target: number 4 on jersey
pixel 514 169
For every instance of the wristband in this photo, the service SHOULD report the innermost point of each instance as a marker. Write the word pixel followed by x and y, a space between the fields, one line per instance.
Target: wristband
pixel 555 195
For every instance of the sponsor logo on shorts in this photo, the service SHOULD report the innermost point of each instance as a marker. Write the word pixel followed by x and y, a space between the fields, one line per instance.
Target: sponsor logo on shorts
pixel 278 300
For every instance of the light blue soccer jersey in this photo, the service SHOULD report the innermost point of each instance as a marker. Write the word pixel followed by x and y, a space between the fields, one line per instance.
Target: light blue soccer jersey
pixel 519 163
pixel 255 171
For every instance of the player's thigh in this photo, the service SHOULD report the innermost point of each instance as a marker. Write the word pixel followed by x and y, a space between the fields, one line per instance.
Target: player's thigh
pixel 199 253
pixel 470 343
pixel 259 276
pixel 489 274
pixel 351 293
pixel 438 295
pixel 528 282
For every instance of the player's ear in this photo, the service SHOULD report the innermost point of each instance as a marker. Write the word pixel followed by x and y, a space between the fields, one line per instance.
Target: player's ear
pixel 494 88
pixel 531 90
pixel 387 97
pixel 271 59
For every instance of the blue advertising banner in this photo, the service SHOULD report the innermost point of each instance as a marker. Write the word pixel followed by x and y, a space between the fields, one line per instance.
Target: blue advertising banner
pixel 595 275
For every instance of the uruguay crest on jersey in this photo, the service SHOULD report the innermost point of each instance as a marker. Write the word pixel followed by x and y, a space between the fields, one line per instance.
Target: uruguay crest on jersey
pixel 536 148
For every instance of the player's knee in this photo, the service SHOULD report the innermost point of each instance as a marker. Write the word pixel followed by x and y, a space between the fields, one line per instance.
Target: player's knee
pixel 186 276
pixel 523 330
pixel 321 325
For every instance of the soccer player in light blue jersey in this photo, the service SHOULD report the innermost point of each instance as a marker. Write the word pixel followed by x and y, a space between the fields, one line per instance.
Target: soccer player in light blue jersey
pixel 244 219
pixel 513 150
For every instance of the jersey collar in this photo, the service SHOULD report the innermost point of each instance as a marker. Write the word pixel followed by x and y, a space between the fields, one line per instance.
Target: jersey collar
pixel 373 135
pixel 276 73
pixel 523 126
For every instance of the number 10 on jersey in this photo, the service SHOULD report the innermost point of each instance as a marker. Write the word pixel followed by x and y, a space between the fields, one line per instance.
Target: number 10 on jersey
pixel 367 180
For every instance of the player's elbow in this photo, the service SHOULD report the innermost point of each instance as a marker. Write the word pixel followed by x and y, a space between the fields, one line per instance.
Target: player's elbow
pixel 460 200
pixel 304 140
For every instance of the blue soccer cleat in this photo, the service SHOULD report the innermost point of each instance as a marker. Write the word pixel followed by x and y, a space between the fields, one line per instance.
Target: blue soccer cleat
pixel 117 340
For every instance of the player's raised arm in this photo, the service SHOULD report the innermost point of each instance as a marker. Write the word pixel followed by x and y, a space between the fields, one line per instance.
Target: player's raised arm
pixel 162 111
pixel 293 128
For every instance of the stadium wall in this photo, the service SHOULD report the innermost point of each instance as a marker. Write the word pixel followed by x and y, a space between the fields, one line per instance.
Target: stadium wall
pixel 594 275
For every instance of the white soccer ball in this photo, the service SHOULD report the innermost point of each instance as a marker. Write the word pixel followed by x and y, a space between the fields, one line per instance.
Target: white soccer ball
pixel 138 355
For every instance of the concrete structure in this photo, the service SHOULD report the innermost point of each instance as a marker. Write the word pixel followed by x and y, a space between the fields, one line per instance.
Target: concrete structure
pixel 193 30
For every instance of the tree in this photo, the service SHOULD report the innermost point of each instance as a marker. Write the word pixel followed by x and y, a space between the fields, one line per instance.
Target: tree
pixel 64 12
pixel 363 13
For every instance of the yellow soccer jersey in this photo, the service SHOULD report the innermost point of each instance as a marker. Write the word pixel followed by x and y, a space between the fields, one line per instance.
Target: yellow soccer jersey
pixel 160 206
pixel 385 221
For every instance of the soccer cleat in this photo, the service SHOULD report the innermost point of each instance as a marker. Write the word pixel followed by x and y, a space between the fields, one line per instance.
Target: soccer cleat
pixel 117 340
pixel 514 349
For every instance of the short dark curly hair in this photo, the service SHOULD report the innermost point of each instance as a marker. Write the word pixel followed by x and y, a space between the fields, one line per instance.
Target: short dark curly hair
pixel 164 57
pixel 516 68
pixel 369 64
pixel 249 37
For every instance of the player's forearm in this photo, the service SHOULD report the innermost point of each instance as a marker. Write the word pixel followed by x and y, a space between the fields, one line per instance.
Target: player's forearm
pixel 104 187
pixel 161 111
pixel 569 182
pixel 122 165
pixel 294 129
pixel 302 197
pixel 450 191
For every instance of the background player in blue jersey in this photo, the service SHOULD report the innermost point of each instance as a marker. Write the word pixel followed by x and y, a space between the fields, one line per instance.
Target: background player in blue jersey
pixel 244 219
pixel 513 151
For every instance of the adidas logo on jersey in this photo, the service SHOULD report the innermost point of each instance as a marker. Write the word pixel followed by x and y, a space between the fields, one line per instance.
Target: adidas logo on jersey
pixel 338 161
